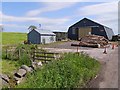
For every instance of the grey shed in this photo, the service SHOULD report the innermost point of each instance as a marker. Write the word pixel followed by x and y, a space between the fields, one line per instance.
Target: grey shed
pixel 41 36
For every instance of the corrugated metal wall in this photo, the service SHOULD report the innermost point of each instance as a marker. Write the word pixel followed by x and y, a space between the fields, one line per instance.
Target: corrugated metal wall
pixel 109 33
pixel 47 39
pixel 34 37
pixel 97 29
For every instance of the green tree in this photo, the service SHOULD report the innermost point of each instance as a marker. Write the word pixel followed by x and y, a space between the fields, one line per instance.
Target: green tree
pixel 32 27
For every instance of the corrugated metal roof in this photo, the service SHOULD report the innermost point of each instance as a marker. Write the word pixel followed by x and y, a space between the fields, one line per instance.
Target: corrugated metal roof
pixel 109 32
pixel 43 31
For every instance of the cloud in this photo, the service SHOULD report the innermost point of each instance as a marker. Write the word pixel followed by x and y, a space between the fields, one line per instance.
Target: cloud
pixel 50 6
pixel 57 27
pixel 0 16
pixel 47 23
pixel 99 8
pixel 14 25
pixel 42 20
pixel 59 0
pixel 104 13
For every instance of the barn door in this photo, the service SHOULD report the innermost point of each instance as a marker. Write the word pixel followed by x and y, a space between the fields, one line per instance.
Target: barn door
pixel 83 32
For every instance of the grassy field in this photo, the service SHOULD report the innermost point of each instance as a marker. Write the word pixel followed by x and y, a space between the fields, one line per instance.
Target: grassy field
pixel 13 38
pixel 9 38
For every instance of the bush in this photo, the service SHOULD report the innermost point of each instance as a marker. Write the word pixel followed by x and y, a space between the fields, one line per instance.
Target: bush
pixel 21 54
pixel 70 71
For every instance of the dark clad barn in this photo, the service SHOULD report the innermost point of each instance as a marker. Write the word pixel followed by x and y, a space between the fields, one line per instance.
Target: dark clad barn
pixel 60 35
pixel 87 26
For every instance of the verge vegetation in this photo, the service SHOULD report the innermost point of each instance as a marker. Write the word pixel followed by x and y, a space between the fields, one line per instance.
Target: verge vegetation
pixel 72 70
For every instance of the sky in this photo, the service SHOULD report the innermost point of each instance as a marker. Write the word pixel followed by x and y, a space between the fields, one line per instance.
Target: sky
pixel 56 16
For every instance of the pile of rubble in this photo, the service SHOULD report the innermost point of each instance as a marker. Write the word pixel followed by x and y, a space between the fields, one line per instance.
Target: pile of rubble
pixel 93 41
pixel 19 75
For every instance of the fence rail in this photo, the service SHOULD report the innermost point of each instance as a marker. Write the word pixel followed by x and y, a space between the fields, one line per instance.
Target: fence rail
pixel 44 56
pixel 35 54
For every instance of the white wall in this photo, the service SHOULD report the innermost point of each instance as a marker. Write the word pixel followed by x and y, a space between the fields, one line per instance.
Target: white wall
pixel 48 39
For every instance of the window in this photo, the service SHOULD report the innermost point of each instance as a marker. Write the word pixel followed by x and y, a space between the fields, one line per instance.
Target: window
pixel 51 38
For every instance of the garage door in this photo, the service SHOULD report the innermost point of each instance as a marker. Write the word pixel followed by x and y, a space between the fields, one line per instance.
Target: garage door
pixel 84 31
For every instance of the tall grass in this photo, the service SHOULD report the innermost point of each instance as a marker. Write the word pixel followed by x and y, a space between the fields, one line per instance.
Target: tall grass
pixel 21 54
pixel 8 66
pixel 71 71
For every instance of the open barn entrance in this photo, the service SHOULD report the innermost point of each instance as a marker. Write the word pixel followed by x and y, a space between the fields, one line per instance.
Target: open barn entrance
pixel 83 31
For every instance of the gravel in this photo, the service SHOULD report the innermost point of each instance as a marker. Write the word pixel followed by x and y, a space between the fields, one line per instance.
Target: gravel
pixel 108 76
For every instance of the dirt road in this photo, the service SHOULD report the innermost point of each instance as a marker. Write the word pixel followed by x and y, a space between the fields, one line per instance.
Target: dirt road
pixel 108 77
pixel 111 71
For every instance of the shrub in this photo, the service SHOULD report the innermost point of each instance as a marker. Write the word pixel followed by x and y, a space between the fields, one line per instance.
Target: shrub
pixel 21 54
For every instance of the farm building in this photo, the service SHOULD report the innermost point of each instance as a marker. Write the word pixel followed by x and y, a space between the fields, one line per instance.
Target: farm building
pixel 85 27
pixel 60 35
pixel 116 37
pixel 41 36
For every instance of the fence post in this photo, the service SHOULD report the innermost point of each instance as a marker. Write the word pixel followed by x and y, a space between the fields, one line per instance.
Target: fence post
pixel 55 56
pixel 78 50
pixel 45 56
pixel 6 53
pixel 34 55
pixel 19 54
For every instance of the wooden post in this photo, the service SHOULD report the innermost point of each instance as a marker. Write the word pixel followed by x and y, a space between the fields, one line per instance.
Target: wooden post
pixel 77 49
pixel 55 56
pixel 6 54
pixel 34 55
pixel 45 57
pixel 19 54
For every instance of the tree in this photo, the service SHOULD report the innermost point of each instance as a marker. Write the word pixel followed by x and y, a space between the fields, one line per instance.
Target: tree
pixel 32 27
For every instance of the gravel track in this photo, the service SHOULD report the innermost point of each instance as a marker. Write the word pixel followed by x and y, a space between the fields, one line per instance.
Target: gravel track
pixel 108 76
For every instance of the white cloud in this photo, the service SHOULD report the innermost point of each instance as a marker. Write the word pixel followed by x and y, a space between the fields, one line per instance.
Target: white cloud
pixel 99 8
pixel 0 16
pixel 57 27
pixel 50 6
pixel 58 0
pixel 104 13
pixel 41 20
pixel 47 23
pixel 14 25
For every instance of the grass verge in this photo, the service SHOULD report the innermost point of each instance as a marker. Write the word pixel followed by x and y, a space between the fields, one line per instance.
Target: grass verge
pixel 70 71
pixel 9 66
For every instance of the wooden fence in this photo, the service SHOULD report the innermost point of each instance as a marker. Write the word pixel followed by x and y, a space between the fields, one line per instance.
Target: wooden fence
pixel 35 54
pixel 44 56
pixel 10 52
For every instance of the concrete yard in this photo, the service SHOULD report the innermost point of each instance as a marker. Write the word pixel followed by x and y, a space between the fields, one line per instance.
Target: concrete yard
pixel 108 76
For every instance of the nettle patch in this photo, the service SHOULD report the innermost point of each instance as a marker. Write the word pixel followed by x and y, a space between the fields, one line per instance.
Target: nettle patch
pixel 71 70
